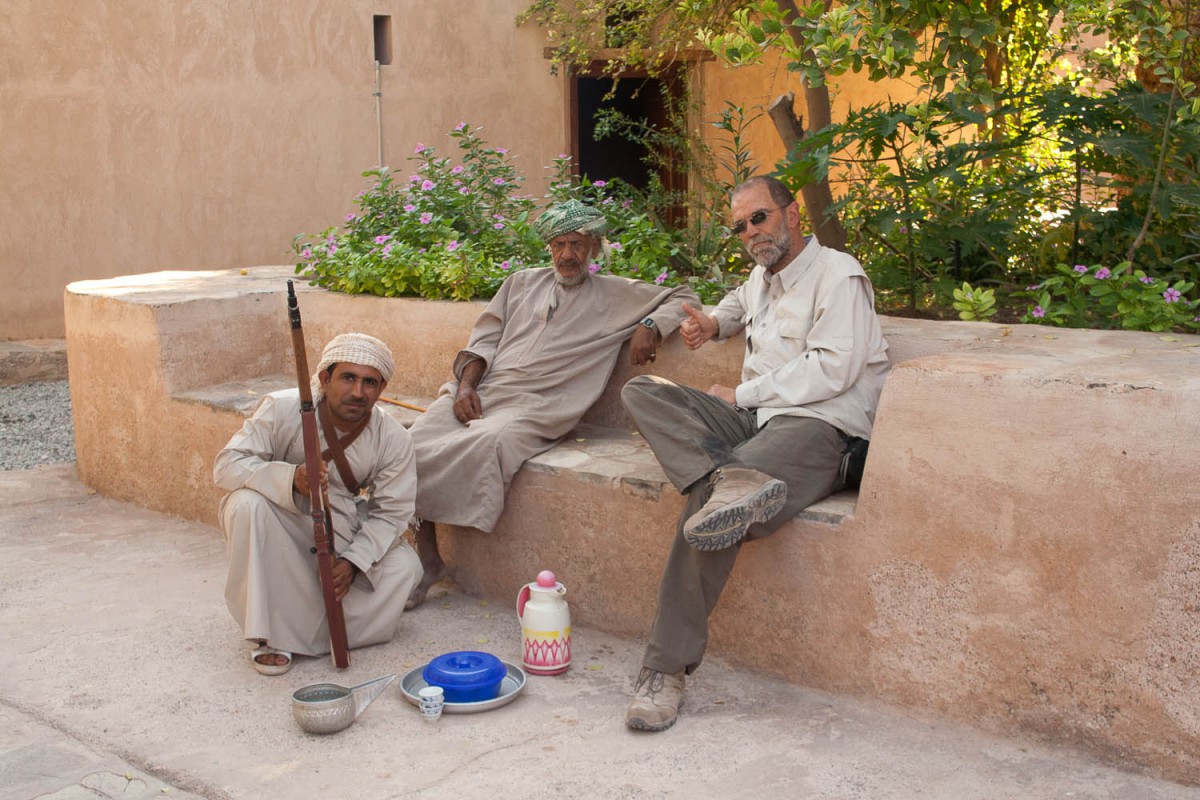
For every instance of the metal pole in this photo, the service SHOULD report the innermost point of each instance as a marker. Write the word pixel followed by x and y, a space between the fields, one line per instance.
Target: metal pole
pixel 379 112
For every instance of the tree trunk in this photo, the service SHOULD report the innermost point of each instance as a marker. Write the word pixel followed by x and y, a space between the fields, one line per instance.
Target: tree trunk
pixel 817 197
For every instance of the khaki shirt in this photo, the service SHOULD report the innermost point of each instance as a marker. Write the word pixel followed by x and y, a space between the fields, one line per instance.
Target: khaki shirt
pixel 814 347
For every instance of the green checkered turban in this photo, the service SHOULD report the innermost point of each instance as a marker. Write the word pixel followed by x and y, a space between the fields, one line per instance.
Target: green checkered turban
pixel 569 217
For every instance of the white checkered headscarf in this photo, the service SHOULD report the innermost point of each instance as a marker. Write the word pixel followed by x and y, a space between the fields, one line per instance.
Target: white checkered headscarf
pixel 354 348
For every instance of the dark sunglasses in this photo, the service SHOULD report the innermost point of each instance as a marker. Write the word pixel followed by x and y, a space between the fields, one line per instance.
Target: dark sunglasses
pixel 756 219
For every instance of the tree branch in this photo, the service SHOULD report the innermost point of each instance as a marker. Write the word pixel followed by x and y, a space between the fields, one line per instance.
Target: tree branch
pixel 817 197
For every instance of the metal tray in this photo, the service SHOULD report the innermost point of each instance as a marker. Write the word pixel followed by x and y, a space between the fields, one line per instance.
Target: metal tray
pixel 511 685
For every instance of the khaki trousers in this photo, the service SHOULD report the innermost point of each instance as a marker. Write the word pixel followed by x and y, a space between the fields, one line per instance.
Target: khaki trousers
pixel 692 433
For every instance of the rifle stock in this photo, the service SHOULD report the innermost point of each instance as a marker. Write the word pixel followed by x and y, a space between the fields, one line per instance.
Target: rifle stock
pixel 322 534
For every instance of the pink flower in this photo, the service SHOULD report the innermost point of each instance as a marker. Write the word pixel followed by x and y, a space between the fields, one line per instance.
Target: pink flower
pixel 460 126
pixel 457 169
pixel 1171 295
pixel 387 249
pixel 409 208
pixel 427 185
pixel 498 181
pixel 599 184
pixel 452 246
pixel 1103 274
pixel 382 239
pixel 1038 312
pixel 505 265
pixel 462 190
pixel 1080 268
pixel 351 217
pixel 501 150
pixel 420 148
pixel 306 253
pixel 617 246
pixel 426 218
pixel 414 178
pixel 1146 279
pixel 662 276
pixel 499 226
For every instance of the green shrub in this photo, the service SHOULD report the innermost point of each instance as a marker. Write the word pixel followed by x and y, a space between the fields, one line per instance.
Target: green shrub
pixel 446 232
pixel 455 231
pixel 1097 297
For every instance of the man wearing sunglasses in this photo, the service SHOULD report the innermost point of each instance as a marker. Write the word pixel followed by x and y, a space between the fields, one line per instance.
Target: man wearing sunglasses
pixel 750 457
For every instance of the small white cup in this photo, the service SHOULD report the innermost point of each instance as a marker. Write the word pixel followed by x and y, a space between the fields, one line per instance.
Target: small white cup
pixel 433 700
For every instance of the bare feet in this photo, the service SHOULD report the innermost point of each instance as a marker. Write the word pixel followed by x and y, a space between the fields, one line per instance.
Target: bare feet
pixel 425 538
pixel 418 594
pixel 269 661
pixel 275 659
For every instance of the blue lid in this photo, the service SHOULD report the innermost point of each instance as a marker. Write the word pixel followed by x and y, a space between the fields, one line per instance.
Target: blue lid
pixel 464 668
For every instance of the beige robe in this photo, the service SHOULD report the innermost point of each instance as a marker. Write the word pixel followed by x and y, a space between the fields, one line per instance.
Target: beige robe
pixel 272 588
pixel 550 351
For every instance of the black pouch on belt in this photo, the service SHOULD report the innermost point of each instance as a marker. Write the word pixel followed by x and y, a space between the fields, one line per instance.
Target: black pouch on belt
pixel 854 460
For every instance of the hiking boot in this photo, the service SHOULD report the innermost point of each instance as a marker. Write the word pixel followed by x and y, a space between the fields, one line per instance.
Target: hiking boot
pixel 740 498
pixel 656 699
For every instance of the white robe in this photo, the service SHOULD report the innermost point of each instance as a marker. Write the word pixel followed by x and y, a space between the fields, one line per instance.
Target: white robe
pixel 272 589
pixel 549 352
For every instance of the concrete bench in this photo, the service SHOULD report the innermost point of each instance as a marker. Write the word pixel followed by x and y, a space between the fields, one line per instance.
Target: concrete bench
pixel 591 453
pixel 1024 552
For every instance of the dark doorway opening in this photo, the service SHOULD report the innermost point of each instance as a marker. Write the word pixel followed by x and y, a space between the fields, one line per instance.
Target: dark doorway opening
pixel 642 99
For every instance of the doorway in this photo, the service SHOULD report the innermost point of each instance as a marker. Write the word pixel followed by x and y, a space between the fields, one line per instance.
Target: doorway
pixel 640 98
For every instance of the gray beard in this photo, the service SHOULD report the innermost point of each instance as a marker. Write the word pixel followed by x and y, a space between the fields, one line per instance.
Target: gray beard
pixel 571 283
pixel 773 250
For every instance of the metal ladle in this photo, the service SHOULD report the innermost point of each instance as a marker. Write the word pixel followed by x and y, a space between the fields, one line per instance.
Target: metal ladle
pixel 329 708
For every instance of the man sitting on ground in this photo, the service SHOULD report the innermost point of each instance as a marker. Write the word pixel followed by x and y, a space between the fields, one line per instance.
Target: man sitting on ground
pixel 539 355
pixel 272 588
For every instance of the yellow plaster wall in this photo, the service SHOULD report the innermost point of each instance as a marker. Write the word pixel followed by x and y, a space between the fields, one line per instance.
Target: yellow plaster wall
pixel 757 87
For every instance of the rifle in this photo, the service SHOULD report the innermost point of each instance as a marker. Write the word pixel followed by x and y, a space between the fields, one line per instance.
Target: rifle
pixel 322 532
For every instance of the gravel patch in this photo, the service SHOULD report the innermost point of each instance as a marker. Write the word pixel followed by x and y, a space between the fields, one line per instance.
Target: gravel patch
pixel 36 425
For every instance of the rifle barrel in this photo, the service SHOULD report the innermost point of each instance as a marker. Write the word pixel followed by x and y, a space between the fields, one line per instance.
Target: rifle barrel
pixel 322 535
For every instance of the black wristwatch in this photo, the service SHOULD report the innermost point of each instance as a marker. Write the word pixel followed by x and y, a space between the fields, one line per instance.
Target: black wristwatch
pixel 649 323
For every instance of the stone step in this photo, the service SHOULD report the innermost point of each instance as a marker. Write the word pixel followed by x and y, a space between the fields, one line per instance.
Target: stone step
pixel 33 361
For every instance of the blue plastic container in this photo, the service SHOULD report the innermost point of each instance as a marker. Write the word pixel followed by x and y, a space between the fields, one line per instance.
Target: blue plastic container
pixel 466 676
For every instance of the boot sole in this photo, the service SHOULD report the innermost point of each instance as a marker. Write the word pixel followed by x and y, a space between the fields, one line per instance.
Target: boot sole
pixel 727 526
pixel 638 724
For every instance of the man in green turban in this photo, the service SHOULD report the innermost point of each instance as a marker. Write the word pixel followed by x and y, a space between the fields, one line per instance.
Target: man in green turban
pixel 570 216
pixel 574 233
pixel 539 356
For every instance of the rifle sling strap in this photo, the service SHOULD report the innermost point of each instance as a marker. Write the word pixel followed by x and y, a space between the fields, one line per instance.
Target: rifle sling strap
pixel 337 445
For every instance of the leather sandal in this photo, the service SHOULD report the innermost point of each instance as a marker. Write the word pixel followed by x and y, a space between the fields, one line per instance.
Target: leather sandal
pixel 266 668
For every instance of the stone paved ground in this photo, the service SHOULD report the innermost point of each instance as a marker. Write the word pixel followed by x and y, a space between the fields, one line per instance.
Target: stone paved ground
pixel 122 676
